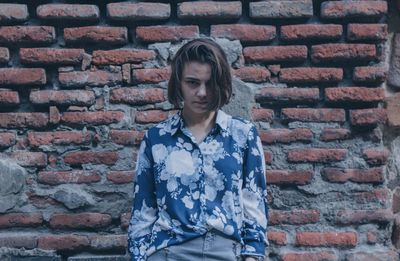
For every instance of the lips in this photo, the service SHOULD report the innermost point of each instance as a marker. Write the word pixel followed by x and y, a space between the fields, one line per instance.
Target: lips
pixel 201 103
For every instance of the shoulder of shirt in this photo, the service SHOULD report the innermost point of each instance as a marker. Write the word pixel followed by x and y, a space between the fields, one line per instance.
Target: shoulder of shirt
pixel 165 124
pixel 240 123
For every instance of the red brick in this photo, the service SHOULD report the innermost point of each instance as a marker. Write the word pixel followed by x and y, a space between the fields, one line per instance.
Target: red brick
pixel 109 242
pixel 293 217
pixel 63 242
pixel 210 10
pixel 331 134
pixel 314 115
pixel 4 55
pixel 262 114
pixel 96 35
pixel 48 56
pixel 281 9
pixel 275 54
pixel 374 175
pixel 376 156
pixel 365 117
pixel 89 78
pixel 18 120
pixel 120 177
pixel 277 238
pixel 367 32
pixel 268 157
pixel 166 33
pixel 378 196
pixel 329 239
pixel 70 97
pixel 311 32
pixel 287 95
pixel 54 115
pixel 284 177
pixel 150 116
pixel 7 139
pixel 92 118
pixel 341 52
pixel 21 220
pixel 126 137
pixel 9 98
pixel 30 34
pixel 135 96
pixel 272 136
pixel 68 12
pixel 63 177
pixel 41 201
pixel 13 13
pixel 369 74
pixel 125 218
pixel 252 74
pixel 373 256
pixel 18 240
pixel 348 95
pixel 122 56
pixel 22 76
pixel 349 216
pixel 316 155
pixel 396 232
pixel 396 200
pixel 79 221
pixel 53 160
pixel 91 157
pixel 310 75
pixel 353 9
pixel 310 256
pixel 138 11
pixel 29 159
pixel 372 237
pixel 393 110
pixel 244 32
pixel 152 75
pixel 126 73
pixel 274 69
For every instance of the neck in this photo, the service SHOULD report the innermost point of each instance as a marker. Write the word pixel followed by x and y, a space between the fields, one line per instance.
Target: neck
pixel 202 120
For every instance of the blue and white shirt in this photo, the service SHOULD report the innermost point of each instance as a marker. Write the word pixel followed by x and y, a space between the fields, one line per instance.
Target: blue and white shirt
pixel 183 189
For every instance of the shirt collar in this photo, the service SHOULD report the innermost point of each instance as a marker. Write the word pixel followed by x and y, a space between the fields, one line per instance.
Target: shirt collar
pixel 177 121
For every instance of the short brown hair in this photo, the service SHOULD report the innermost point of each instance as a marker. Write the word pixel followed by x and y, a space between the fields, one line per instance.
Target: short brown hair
pixel 202 50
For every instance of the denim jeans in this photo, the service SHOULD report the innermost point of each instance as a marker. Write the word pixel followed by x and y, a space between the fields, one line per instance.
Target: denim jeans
pixel 212 246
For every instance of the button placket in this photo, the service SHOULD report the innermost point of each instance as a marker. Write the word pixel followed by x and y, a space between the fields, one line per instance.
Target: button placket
pixel 202 186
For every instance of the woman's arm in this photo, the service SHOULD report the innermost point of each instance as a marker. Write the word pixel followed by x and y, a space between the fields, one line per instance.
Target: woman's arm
pixel 144 210
pixel 254 198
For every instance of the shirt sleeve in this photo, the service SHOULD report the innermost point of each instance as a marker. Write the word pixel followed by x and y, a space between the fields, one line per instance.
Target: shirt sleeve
pixel 254 191
pixel 144 210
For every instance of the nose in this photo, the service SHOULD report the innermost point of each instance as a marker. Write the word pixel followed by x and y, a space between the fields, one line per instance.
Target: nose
pixel 202 91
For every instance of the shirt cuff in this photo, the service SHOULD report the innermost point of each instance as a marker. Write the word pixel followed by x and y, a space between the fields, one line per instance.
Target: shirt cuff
pixel 254 248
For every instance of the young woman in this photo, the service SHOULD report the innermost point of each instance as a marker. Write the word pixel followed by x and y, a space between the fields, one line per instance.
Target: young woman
pixel 200 189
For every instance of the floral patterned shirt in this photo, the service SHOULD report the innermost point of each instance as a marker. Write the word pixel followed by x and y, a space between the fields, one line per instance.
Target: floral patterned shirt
pixel 184 189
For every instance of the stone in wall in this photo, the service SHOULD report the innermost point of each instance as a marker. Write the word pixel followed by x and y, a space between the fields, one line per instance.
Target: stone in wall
pixel 72 197
pixel 241 101
pixel 12 254
pixel 394 70
pixel 393 110
pixel 12 180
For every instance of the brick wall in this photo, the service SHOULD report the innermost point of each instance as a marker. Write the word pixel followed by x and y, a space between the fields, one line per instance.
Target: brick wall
pixel 82 80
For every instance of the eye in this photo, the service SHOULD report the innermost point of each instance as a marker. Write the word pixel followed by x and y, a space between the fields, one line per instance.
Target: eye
pixel 192 82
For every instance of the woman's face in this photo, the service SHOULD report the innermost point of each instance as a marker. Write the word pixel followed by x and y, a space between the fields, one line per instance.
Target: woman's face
pixel 195 87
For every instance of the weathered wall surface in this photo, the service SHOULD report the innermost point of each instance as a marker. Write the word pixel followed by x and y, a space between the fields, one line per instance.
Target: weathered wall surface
pixel 82 80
